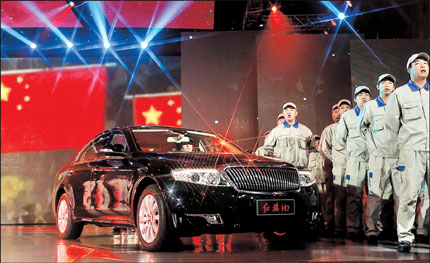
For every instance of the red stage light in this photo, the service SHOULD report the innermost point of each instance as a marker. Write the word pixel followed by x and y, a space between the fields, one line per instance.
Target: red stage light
pixel 274 9
pixel 333 23
pixel 325 33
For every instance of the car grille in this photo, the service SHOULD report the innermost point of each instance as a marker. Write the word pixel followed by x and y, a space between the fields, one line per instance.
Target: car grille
pixel 264 179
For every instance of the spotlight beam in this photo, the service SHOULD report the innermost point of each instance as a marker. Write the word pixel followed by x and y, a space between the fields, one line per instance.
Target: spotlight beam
pixel 113 52
pixel 115 21
pixel 365 44
pixel 97 10
pixel 175 84
pixel 332 8
pixel 129 85
pixel 4 55
pixel 14 33
pixel 44 58
pixel 356 14
pixel 84 21
pixel 39 14
pixel 163 68
pixel 152 20
pixel 170 12
pixel 325 59
pixel 132 31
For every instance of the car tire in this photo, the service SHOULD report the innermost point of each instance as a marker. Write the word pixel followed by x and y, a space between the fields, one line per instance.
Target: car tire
pixel 151 220
pixel 67 229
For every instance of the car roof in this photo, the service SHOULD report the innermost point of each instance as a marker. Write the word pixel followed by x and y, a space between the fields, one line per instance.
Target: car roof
pixel 175 129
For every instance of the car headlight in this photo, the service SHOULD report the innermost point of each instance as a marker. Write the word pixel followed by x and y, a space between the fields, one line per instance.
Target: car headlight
pixel 209 177
pixel 306 178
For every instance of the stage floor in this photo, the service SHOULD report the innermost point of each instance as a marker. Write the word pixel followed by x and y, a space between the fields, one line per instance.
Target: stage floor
pixel 41 244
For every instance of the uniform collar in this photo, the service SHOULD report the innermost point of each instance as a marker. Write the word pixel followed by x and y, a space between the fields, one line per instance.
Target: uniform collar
pixel 295 125
pixel 414 87
pixel 380 102
pixel 357 110
pixel 315 151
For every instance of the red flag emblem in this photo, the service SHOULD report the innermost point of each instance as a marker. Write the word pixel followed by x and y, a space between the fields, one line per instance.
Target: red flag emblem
pixel 163 109
pixel 51 109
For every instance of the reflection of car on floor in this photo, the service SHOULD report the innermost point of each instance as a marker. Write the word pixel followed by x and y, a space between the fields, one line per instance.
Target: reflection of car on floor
pixel 173 182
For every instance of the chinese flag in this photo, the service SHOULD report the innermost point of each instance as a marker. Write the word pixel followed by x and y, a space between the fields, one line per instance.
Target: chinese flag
pixel 163 109
pixel 51 109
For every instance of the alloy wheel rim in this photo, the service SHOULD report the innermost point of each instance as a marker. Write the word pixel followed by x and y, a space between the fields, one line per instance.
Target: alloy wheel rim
pixel 63 216
pixel 149 219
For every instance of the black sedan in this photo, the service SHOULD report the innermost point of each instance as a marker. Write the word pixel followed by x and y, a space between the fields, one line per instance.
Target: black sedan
pixel 173 182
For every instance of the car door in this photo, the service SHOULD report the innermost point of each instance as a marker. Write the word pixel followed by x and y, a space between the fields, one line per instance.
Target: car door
pixel 79 178
pixel 112 176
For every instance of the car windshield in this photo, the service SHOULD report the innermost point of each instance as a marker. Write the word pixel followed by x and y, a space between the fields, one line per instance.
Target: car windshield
pixel 165 140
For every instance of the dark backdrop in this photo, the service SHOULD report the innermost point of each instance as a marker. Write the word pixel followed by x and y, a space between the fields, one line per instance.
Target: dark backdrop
pixel 219 85
pixel 245 78
pixel 392 55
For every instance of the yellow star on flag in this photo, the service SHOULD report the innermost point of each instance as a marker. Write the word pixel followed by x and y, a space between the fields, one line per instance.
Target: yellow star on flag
pixel 170 102
pixel 152 116
pixel 5 92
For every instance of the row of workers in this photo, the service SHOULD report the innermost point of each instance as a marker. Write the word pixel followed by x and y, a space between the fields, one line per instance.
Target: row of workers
pixel 383 143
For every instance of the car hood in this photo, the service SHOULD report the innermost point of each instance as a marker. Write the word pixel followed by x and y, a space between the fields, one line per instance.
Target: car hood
pixel 207 160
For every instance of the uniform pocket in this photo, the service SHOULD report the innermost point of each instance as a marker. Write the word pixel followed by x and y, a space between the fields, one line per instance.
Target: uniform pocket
pixel 302 142
pixel 353 133
pixel 412 110
pixel 312 163
pixel 282 142
pixel 377 125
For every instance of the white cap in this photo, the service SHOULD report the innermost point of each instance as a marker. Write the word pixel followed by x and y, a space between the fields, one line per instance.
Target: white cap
pixel 423 55
pixel 335 106
pixel 289 104
pixel 281 116
pixel 344 101
pixel 386 76
pixel 360 89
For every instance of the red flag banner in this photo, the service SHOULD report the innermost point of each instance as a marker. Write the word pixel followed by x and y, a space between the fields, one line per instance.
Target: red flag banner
pixel 163 109
pixel 51 109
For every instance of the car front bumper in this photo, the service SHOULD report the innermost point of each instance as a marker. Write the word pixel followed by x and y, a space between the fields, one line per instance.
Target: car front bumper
pixel 198 209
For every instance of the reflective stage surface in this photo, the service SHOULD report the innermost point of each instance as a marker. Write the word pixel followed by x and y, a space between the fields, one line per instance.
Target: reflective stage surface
pixel 41 244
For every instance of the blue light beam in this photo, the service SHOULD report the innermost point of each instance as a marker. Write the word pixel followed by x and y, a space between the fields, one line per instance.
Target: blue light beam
pixel 29 5
pixel 332 8
pixel 97 10
pixel 170 12
pixel 14 33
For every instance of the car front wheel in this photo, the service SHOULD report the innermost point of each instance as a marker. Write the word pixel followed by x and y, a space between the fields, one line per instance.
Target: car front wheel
pixel 151 218
pixel 67 229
